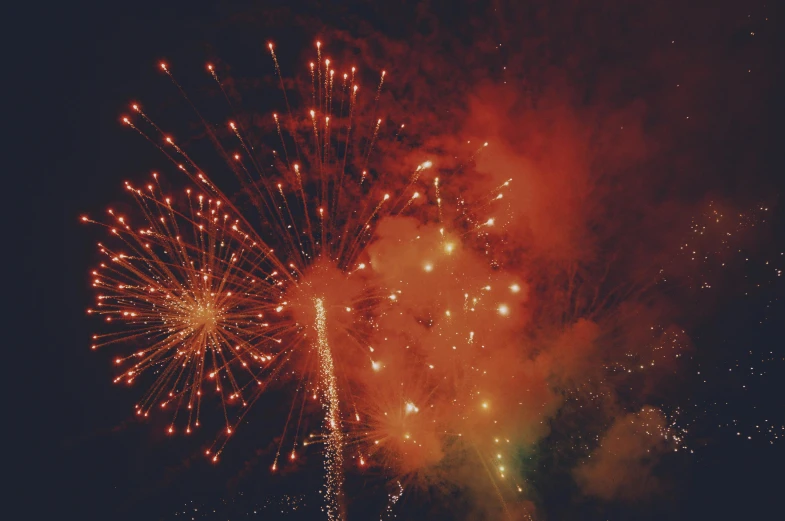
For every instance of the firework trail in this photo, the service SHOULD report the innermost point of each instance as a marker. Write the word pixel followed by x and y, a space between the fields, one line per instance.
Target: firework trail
pixel 334 440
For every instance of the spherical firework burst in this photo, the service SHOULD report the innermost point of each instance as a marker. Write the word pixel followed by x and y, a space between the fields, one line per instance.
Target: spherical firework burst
pixel 183 288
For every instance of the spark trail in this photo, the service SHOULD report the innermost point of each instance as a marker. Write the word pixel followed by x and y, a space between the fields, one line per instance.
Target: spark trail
pixel 333 460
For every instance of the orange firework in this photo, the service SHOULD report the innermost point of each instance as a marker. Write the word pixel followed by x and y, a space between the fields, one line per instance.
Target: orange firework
pixel 183 285
pixel 216 297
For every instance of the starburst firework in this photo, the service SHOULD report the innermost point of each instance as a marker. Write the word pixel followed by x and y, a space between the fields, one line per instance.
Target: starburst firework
pixel 183 288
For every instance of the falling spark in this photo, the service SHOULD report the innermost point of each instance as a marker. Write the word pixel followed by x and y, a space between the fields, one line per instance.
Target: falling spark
pixel 333 460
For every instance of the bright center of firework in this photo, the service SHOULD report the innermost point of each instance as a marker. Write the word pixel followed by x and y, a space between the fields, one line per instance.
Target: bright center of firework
pixel 203 315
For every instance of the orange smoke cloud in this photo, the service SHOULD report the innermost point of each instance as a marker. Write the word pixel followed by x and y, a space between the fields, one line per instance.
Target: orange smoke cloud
pixel 622 466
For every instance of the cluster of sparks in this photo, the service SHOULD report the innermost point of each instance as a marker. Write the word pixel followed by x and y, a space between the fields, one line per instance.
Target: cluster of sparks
pixel 393 498
pixel 285 505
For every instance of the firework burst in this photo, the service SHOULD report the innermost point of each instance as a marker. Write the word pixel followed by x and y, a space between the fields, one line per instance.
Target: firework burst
pixel 219 295
pixel 182 286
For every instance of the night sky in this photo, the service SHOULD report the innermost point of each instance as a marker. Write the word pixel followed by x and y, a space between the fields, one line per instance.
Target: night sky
pixel 700 87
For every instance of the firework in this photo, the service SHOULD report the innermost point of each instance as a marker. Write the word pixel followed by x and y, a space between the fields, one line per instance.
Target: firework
pixel 182 285
pixel 359 274
pixel 212 297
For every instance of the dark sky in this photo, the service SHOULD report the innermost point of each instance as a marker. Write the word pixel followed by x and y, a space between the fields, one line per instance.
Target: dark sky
pixel 92 461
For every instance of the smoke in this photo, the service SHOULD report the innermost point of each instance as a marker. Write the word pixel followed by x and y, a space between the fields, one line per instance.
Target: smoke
pixel 598 182
pixel 622 467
